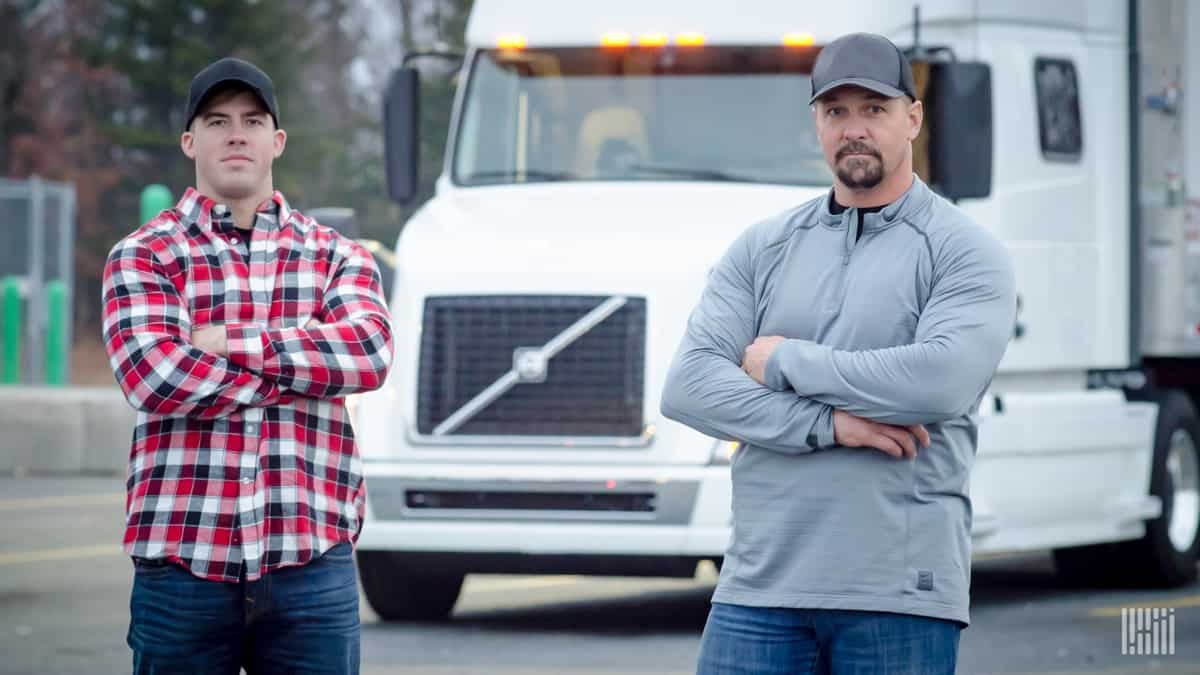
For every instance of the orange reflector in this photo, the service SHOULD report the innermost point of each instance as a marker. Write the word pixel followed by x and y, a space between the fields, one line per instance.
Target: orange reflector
pixel 689 39
pixel 511 42
pixel 610 484
pixel 615 39
pixel 652 39
pixel 799 39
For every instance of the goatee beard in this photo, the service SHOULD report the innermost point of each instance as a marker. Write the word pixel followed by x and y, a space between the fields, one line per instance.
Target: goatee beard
pixel 861 174
pixel 870 170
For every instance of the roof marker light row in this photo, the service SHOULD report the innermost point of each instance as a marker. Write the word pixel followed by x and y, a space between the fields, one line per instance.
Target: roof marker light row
pixel 515 41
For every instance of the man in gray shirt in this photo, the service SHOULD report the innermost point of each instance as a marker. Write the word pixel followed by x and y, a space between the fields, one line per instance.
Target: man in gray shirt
pixel 847 344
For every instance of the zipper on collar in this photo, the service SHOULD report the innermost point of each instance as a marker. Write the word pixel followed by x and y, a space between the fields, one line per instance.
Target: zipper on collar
pixel 849 219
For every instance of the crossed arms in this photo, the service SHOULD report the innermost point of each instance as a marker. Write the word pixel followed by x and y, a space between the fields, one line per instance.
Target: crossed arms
pixel 152 350
pixel 960 337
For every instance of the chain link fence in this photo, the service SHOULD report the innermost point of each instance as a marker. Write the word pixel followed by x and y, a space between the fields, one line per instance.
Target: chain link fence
pixel 37 241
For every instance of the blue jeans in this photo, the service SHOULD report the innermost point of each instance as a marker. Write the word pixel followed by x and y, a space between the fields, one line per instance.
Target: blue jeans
pixel 770 640
pixel 294 620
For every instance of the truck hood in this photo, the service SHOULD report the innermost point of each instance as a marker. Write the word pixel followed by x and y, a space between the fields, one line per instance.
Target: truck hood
pixel 656 241
pixel 585 238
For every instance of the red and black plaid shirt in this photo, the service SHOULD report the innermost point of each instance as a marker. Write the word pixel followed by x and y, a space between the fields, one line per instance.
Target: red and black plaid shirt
pixel 247 463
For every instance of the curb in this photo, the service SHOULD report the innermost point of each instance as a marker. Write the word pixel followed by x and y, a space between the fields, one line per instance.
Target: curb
pixel 72 430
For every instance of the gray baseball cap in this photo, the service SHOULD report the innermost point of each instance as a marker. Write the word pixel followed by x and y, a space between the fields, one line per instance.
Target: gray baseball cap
pixel 862 60
pixel 224 71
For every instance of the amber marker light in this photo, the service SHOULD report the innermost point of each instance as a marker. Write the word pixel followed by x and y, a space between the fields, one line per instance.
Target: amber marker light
pixel 799 40
pixel 615 40
pixel 511 42
pixel 690 40
pixel 652 39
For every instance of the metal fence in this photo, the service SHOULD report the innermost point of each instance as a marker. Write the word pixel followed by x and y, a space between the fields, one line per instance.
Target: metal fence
pixel 37 241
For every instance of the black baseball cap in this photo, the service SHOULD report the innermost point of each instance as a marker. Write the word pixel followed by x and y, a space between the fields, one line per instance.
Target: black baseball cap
pixel 224 71
pixel 862 60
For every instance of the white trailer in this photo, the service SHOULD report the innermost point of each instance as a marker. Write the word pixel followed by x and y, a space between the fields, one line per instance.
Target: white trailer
pixel 603 155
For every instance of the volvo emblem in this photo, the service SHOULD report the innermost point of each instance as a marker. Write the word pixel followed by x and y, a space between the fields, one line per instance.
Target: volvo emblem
pixel 530 364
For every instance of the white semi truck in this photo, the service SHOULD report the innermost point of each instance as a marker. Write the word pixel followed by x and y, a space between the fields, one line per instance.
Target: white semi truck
pixel 601 158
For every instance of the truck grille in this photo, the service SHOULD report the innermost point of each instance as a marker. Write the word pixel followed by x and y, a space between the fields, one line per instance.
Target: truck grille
pixel 594 387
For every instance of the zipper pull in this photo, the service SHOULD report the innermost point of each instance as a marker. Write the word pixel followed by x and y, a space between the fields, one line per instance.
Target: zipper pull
pixel 848 219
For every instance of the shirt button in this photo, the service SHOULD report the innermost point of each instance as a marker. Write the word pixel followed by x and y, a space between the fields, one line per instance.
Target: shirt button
pixel 252 428
pixel 233 239
pixel 247 480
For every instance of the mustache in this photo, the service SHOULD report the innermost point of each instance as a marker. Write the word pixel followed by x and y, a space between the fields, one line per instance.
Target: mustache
pixel 856 148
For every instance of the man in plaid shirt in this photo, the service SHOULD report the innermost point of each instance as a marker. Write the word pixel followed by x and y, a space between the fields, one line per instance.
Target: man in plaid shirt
pixel 236 326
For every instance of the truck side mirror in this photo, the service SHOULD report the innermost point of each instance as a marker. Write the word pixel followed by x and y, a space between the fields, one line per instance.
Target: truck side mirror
pixel 401 140
pixel 959 112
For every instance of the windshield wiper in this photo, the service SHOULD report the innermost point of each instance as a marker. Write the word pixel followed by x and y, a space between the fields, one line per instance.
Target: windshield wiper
pixel 696 173
pixel 527 174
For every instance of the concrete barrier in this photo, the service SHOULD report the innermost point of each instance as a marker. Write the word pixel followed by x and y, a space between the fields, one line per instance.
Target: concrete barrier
pixel 67 430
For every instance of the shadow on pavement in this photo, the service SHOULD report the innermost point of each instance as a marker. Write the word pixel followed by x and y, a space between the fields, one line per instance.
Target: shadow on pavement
pixel 1033 578
pixel 995 584
pixel 644 614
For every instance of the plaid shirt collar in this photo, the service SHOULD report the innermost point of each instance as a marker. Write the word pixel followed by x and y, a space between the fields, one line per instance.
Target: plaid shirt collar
pixel 194 207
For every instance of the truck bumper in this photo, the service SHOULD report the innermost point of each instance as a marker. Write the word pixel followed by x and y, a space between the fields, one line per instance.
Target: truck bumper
pixel 547 511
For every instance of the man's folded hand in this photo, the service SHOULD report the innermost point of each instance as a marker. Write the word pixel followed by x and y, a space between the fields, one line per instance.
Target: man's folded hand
pixel 856 432
pixel 211 339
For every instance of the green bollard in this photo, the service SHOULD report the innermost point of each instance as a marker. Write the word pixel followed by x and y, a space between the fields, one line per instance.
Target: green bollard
pixel 155 198
pixel 57 357
pixel 11 310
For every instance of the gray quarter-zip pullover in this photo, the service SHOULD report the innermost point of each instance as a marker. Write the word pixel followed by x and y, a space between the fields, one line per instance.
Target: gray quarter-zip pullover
pixel 905 325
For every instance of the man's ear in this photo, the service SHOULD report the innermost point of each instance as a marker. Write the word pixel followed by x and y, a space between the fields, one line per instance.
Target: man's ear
pixel 916 117
pixel 187 143
pixel 280 142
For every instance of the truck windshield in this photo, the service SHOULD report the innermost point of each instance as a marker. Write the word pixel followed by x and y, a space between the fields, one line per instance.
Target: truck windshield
pixel 639 114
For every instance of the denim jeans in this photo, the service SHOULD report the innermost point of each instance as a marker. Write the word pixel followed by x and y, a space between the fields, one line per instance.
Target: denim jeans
pixel 294 620
pixel 770 640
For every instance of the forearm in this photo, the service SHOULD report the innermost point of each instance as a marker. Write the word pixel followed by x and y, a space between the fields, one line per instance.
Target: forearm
pixel 709 393
pixel 161 375
pixel 913 384
pixel 706 388
pixel 325 361
pixel 147 337
pixel 346 348
pixel 960 337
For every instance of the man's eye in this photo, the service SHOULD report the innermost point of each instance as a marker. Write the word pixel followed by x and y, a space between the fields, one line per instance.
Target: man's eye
pixel 216 123
pixel 878 109
pixel 254 121
pixel 833 112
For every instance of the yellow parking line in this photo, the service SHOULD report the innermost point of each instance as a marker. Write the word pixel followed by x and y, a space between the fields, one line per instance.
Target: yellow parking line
pixel 485 585
pixel 1185 601
pixel 68 553
pixel 61 501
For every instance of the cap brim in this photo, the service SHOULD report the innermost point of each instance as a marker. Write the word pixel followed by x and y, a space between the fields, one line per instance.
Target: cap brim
pixel 875 86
